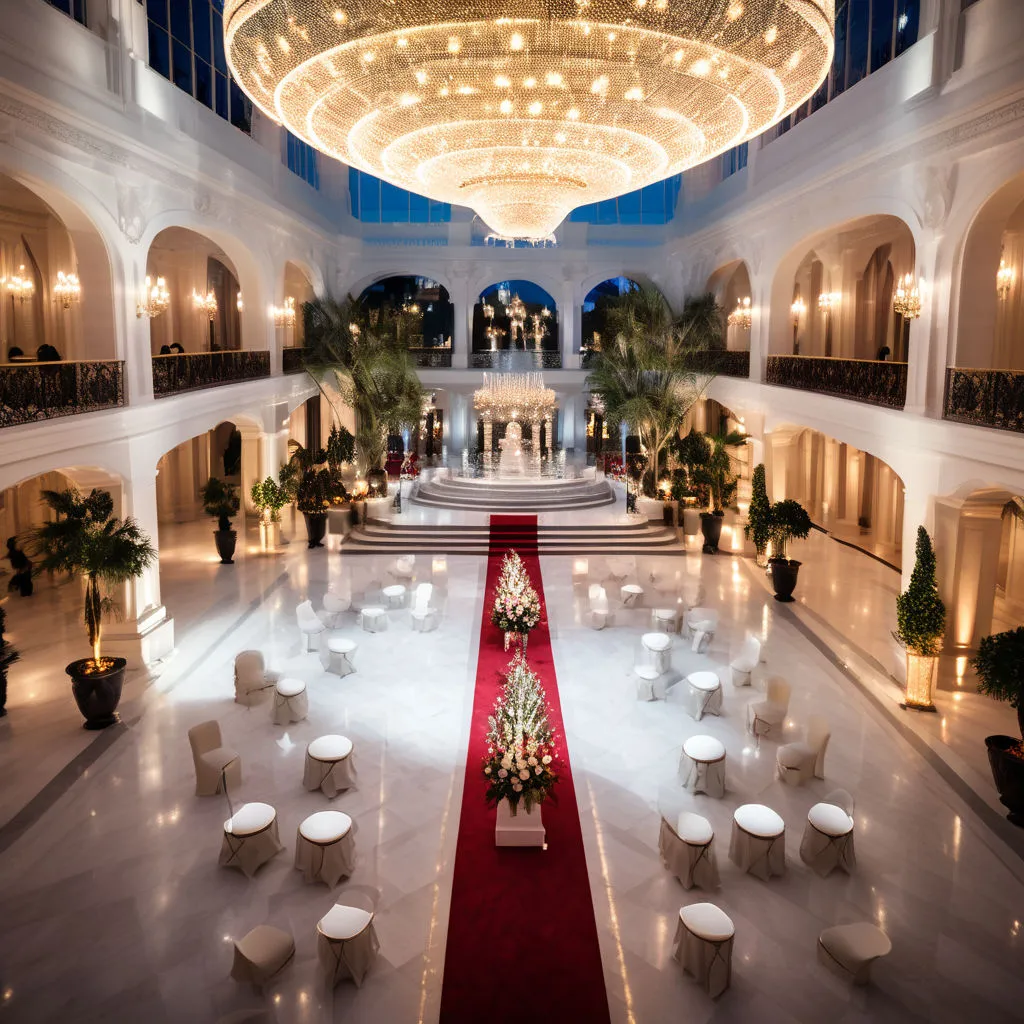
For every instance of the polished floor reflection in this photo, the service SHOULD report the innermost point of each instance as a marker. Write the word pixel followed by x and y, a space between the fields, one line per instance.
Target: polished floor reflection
pixel 113 906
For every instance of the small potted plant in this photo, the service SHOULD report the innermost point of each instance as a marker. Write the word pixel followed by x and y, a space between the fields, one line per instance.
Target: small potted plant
pixel 8 656
pixel 1000 667
pixel 920 626
pixel 268 498
pixel 789 521
pixel 717 475
pixel 220 500
pixel 758 526
pixel 86 540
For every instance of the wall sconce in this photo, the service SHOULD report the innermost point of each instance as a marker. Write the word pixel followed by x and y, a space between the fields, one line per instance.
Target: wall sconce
pixel 155 299
pixel 828 302
pixel 20 285
pixel 239 305
pixel 284 316
pixel 205 304
pixel 797 310
pixel 67 290
pixel 1004 279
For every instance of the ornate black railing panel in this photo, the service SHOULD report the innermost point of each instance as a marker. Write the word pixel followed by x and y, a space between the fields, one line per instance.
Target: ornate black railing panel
pixel 431 357
pixel 41 391
pixel 510 359
pixel 863 380
pixel 292 360
pixel 722 361
pixel 986 398
pixel 193 371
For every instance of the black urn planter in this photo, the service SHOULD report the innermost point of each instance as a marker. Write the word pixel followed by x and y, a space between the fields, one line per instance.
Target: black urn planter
pixel 784 574
pixel 316 528
pixel 1008 774
pixel 97 694
pixel 225 541
pixel 711 527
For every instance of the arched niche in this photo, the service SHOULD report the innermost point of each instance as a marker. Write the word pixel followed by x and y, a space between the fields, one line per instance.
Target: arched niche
pixel 990 332
pixel 515 315
pixel 55 282
pixel 594 309
pixel 418 310
pixel 205 298
pixel 730 285
pixel 288 318
pixel 832 294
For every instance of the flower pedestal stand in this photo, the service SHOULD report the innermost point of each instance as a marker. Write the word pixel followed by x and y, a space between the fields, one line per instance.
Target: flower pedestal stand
pixel 524 829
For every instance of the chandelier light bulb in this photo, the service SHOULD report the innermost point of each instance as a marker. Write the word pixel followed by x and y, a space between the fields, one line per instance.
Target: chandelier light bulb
pixel 828 302
pixel 205 304
pixel 741 316
pixel 67 289
pixel 155 299
pixel 21 285
pixel 284 315
pixel 1004 279
pixel 907 299
pixel 797 310
pixel 511 396
pixel 639 91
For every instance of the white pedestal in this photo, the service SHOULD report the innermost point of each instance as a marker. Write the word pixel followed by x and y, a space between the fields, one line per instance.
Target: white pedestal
pixel 522 830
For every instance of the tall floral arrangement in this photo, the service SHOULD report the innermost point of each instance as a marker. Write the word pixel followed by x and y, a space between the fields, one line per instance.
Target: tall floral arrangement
pixel 520 762
pixel 516 604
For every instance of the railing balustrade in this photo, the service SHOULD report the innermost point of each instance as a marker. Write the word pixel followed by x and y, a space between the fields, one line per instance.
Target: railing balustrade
pixel 42 391
pixel 513 360
pixel 985 398
pixel 193 371
pixel 878 382
pixel 292 360
pixel 431 358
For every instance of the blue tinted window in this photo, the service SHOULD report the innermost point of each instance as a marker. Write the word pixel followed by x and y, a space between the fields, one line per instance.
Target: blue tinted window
pixel 860 16
pixel 379 202
pixel 302 160
pixel 908 14
pixel 653 204
pixel 74 8
pixel 197 43
pixel 839 61
pixel 735 160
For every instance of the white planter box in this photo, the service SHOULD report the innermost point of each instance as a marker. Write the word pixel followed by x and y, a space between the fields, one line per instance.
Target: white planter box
pixel 691 522
pixel 651 508
pixel 522 830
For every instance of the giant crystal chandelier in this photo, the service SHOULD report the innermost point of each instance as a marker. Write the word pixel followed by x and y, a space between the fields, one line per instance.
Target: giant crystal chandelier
pixel 507 397
pixel 525 110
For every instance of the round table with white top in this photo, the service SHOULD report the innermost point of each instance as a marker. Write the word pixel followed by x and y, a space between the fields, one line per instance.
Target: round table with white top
pixel 659 647
pixel 704 940
pixel 340 655
pixel 631 595
pixel 291 703
pixel 758 841
pixel 686 848
pixel 704 694
pixel 329 766
pixel 373 618
pixel 394 595
pixel 828 840
pixel 325 848
pixel 250 838
pixel 702 766
pixel 346 943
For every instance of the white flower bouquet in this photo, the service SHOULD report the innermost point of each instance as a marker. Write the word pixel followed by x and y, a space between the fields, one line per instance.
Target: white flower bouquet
pixel 516 606
pixel 520 763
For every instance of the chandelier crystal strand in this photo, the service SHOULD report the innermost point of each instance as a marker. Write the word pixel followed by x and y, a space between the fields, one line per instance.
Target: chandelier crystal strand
pixel 508 397
pixel 155 299
pixel 67 289
pixel 525 111
pixel 741 316
pixel 20 284
pixel 907 299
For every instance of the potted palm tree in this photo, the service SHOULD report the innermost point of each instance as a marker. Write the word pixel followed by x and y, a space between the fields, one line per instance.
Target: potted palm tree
pixel 758 526
pixel 308 476
pixel 8 656
pixel 720 481
pixel 268 498
pixel 220 500
pixel 920 625
pixel 1000 667
pixel 789 521
pixel 86 540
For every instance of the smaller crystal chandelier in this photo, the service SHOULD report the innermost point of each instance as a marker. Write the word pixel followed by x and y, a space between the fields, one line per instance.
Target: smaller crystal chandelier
pixel 907 300
pixel 797 310
pixel 155 299
pixel 488 312
pixel 239 305
pixel 1004 279
pixel 828 302
pixel 504 294
pixel 506 397
pixel 67 290
pixel 205 304
pixel 284 316
pixel 741 316
pixel 20 285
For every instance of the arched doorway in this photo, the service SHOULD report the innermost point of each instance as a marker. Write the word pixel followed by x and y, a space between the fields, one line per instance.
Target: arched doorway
pixel 594 312
pixel 730 285
pixel 416 310
pixel 288 318
pixel 515 316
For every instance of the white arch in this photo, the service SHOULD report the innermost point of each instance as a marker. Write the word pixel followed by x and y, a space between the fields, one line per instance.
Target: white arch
pixel 357 286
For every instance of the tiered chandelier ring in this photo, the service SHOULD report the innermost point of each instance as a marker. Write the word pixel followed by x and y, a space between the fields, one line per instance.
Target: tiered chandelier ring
pixel 524 111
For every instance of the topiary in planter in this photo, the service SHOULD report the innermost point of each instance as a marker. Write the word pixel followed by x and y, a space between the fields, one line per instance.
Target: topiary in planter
pixel 758 528
pixel 789 521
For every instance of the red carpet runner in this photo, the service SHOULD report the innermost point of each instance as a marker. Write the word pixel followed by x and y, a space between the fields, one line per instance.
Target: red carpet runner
pixel 522 941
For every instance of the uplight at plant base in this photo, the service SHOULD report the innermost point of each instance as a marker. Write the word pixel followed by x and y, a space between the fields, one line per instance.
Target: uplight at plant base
pixel 524 111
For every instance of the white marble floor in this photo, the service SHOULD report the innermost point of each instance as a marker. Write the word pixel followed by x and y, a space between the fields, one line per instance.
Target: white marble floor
pixel 113 907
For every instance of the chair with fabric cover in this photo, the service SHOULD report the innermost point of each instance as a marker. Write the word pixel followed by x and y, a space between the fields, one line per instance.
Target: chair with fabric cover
pixel 424 618
pixel 827 842
pixel 335 603
pixel 746 661
pixel 262 953
pixel 252 681
pixel 251 838
pixel 325 849
pixel 337 654
pixel 703 946
pixel 799 762
pixel 310 625
pixel 291 702
pixel 687 850
pixel 346 943
pixel 758 841
pixel 840 798
pixel 214 762
pixel 765 717
pixel 701 624
pixel 851 949
pixel 598 614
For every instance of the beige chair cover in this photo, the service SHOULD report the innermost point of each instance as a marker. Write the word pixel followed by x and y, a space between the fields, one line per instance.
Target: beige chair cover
pixel 657 649
pixel 598 614
pixel 702 766
pixel 329 765
pixel 827 842
pixel 335 604
pixel 765 717
pixel 851 949
pixel 703 694
pixel 250 839
pixel 310 624
pixel 746 661
pixel 251 678
pixel 291 704
pixel 346 944
pixel 424 618
pixel 797 763
pixel 261 953
pixel 214 763
pixel 664 619
pixel 325 848
pixel 687 848
pixel 338 654
pixel 632 595
pixel 758 841
pixel 703 945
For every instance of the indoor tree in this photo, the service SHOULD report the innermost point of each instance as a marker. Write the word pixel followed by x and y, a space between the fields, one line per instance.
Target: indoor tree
pixel 643 375
pixel 758 526
pixel 220 501
pixel 788 521
pixel 8 656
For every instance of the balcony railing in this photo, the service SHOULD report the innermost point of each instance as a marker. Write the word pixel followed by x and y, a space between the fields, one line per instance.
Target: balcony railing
pixel 512 360
pixel 292 360
pixel 725 362
pixel 874 381
pixel 431 357
pixel 986 398
pixel 42 391
pixel 174 374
